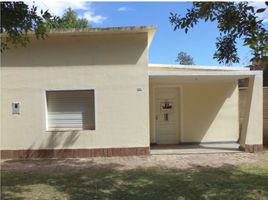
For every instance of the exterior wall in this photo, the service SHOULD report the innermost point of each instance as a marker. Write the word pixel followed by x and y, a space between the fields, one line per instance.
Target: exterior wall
pixel 114 65
pixel 242 106
pixel 252 127
pixel 209 110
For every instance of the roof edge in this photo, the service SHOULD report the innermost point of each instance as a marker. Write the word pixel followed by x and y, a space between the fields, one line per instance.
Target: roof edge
pixel 150 30
pixel 205 73
pixel 123 29
pixel 197 67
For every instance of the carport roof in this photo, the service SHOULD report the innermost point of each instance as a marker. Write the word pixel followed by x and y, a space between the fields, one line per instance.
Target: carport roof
pixel 200 71
pixel 159 67
pixel 202 75
pixel 205 73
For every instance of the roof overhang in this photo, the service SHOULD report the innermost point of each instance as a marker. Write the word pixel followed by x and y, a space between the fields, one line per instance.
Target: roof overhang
pixel 169 67
pixel 205 73
pixel 202 75
pixel 150 30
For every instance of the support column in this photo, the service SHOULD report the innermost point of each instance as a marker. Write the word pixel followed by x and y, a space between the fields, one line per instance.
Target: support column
pixel 252 126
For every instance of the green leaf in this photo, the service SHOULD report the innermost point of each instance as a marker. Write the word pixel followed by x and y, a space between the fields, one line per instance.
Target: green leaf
pixel 234 20
pixel 261 10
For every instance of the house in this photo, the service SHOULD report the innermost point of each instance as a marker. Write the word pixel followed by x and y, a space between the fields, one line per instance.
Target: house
pixel 82 93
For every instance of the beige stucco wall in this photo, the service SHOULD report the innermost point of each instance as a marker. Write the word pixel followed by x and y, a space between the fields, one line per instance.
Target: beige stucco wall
pixel 209 110
pixel 252 125
pixel 114 65
pixel 243 98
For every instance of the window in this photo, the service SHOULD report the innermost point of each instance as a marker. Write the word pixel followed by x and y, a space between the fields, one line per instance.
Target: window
pixel 71 109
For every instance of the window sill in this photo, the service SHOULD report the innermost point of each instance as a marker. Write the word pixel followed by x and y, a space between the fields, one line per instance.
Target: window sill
pixel 68 130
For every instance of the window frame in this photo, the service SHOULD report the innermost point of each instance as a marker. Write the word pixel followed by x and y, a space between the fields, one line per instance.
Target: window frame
pixel 47 129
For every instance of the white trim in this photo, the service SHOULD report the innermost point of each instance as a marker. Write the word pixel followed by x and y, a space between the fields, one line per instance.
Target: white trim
pixel 219 68
pixel 69 89
pixel 153 112
pixel 238 74
pixel 181 108
pixel 45 109
pixel 95 109
pixel 181 117
pixel 242 88
pixel 73 89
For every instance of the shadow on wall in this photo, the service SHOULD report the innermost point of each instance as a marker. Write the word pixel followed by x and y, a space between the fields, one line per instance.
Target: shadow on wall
pixel 106 182
pixel 265 139
pixel 60 139
pixel 56 145
pixel 242 107
pixel 202 108
pixel 79 51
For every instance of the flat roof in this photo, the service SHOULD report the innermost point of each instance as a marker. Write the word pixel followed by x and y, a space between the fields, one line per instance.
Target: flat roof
pixel 170 67
pixel 150 30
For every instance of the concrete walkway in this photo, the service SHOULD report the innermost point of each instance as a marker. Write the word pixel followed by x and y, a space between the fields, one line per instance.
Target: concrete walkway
pixel 194 149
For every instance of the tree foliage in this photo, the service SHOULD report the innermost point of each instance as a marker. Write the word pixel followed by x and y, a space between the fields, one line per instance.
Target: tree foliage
pixel 18 19
pixel 184 59
pixel 69 20
pixel 234 20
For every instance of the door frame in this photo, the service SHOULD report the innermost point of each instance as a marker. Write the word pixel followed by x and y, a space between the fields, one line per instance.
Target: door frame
pixel 180 122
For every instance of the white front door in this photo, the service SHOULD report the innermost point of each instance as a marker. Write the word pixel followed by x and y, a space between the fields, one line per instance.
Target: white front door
pixel 167 115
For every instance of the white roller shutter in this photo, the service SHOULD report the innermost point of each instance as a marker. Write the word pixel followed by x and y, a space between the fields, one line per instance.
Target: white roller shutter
pixel 71 109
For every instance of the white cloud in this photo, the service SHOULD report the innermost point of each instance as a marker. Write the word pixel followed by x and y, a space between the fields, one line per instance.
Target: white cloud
pixel 123 9
pixel 91 17
pixel 58 7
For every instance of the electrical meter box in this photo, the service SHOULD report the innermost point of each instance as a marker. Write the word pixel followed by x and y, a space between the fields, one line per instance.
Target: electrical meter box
pixel 15 108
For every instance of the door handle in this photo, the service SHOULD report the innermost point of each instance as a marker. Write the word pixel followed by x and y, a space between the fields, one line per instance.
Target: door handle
pixel 156 117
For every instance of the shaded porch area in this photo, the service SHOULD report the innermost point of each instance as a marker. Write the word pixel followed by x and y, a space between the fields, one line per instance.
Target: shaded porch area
pixel 203 148
pixel 201 109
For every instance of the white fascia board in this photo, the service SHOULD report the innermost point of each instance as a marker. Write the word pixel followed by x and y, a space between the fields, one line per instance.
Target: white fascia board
pixel 205 73
pixel 196 67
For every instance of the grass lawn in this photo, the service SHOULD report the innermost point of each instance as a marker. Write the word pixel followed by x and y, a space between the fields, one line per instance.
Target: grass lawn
pixel 241 182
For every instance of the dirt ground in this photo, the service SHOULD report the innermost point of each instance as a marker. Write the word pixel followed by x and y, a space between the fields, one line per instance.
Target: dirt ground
pixel 132 162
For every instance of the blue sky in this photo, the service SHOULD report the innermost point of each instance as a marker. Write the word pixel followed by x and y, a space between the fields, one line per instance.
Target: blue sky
pixel 199 42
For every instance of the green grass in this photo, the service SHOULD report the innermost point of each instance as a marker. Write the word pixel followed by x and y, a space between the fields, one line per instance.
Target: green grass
pixel 242 182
